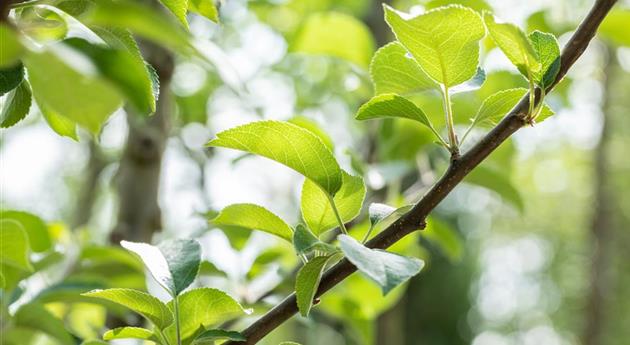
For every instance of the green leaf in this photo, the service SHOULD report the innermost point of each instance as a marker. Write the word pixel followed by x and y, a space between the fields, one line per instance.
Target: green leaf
pixel 548 51
pixel 141 20
pixel 91 101
pixel 289 343
pixel 497 105
pixel 16 105
pixel 498 182
pixel 515 45
pixel 205 8
pixel 388 270
pixel 129 333
pixel 286 143
pixel 394 70
pixel 10 78
pixel 120 67
pixel 380 212
pixel 36 229
pixel 337 35
pixel 94 342
pixel 36 317
pixel 58 123
pixel 391 105
pixel 444 41
pixel 210 336
pixel 142 303
pixel 178 8
pixel 205 308
pixel 307 281
pixel 477 5
pixel 317 211
pixel 14 246
pixel 12 49
pixel 174 264
pixel 253 217
pixel 304 242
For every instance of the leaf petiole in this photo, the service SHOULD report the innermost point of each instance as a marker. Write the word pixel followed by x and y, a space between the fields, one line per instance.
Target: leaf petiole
pixel 448 112
pixel 342 226
pixel 177 330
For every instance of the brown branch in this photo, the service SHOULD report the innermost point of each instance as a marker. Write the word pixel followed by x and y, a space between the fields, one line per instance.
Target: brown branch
pixel 456 172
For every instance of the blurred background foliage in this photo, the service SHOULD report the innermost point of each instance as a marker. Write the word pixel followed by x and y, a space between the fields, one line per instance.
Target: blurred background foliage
pixel 530 250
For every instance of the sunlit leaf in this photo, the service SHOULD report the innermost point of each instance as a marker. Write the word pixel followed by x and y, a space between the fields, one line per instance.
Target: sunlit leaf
pixel 497 105
pixel 310 125
pixel 173 263
pixel 304 242
pixel 60 124
pixel 179 8
pixel 253 217
pixel 391 105
pixel 394 70
pixel 91 101
pixel 335 34
pixel 307 282
pixel 129 333
pixel 286 143
pixel 444 41
pixel 16 105
pixel 515 45
pixel 471 84
pixel 121 68
pixel 142 303
pixel 35 227
pixel 205 308
pixel 206 8
pixel 386 269
pixel 548 51
pixel 10 78
pixel 12 49
pixel 317 211
pixel 14 246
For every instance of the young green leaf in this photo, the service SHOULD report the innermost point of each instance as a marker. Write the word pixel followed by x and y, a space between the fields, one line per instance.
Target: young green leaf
pixel 388 270
pixel 317 211
pixel 337 35
pixel 499 104
pixel 286 143
pixel 204 8
pixel 142 303
pixel 130 333
pixel 381 212
pixel 35 227
pixel 141 20
pixel 178 8
pixel 210 336
pixel 514 44
pixel 444 41
pixel 205 308
pixel 123 69
pixel 58 123
pixel 253 217
pixel 548 51
pixel 16 105
pixel 10 78
pixel 89 105
pixel 12 49
pixel 391 105
pixel 310 125
pixel 304 242
pixel 14 245
pixel 307 281
pixel 394 70
pixel 174 264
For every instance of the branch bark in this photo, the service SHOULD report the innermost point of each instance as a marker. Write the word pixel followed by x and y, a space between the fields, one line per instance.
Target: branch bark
pixel 458 169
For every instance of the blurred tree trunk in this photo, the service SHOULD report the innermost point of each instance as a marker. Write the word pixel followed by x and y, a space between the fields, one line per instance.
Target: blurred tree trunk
pixel 138 177
pixel 87 193
pixel 601 223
